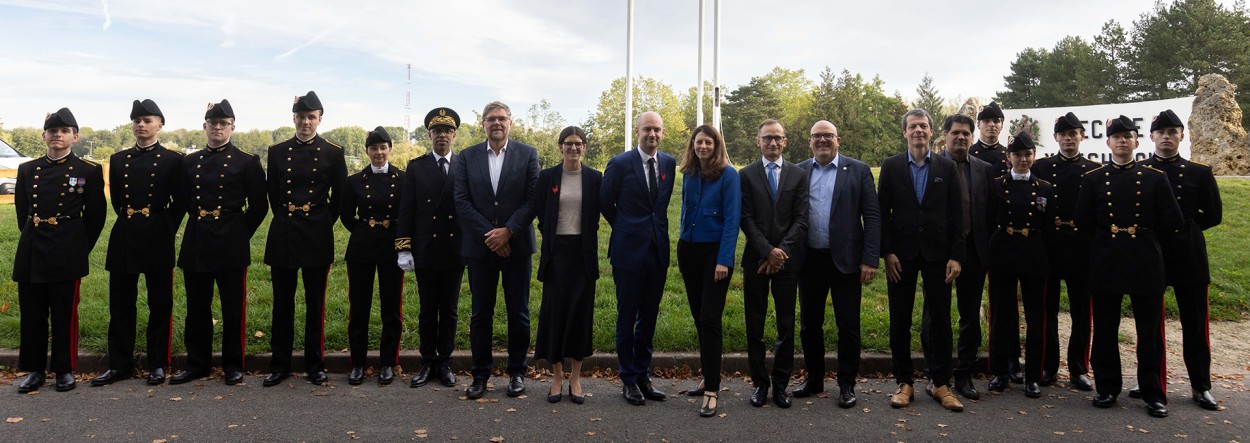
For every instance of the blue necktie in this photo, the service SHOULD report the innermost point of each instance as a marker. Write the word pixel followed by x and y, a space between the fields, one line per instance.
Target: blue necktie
pixel 772 181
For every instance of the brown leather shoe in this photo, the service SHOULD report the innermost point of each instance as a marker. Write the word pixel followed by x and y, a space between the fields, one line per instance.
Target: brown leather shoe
pixel 903 396
pixel 944 395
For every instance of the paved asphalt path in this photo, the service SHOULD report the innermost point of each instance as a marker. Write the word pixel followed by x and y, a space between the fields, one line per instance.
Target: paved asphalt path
pixel 208 410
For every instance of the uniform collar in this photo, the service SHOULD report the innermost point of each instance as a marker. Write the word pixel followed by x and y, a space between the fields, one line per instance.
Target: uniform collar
pixel 219 148
pixel 305 142
pixel 1171 159
pixel 58 161
pixel 1068 159
pixel 147 148
pixel 1125 166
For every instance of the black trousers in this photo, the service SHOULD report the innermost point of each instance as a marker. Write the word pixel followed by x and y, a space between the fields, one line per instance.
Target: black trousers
pixel 1081 309
pixel 1005 322
pixel 638 294
pixel 438 291
pixel 484 275
pixel 1151 369
pixel 391 309
pixel 697 264
pixel 283 325
pixel 198 330
pixel 1192 305
pixel 968 289
pixel 123 294
pixel 40 302
pixel 818 279
pixel 935 331
pixel 755 304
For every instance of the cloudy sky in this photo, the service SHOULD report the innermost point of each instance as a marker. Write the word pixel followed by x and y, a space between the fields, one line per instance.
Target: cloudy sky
pixel 97 56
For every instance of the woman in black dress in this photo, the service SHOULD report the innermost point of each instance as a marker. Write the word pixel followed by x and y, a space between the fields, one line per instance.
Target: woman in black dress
pixel 568 218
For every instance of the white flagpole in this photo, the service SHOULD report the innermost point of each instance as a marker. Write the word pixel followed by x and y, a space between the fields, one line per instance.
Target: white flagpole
pixel 716 68
pixel 698 112
pixel 629 79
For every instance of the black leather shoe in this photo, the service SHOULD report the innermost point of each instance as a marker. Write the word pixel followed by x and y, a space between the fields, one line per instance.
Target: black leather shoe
pixel 1104 400
pixel 846 397
pixel 356 376
pixel 111 376
pixel 1156 409
pixel 32 382
pixel 1032 390
pixel 760 396
pixel 65 382
pixel 1206 400
pixel 476 390
pixel 999 383
pixel 710 401
pixel 807 389
pixel 1016 372
pixel 965 388
pixel 185 377
pixel 1047 379
pixel 275 378
pixel 633 395
pixel 1083 382
pixel 234 377
pixel 780 397
pixel 650 392
pixel 516 386
pixel 1135 392
pixel 317 377
pixel 696 391
pixel 447 377
pixel 422 377
pixel 156 377
pixel 386 375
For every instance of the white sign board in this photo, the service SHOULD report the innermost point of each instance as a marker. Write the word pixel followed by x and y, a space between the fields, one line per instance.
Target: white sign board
pixel 1094 118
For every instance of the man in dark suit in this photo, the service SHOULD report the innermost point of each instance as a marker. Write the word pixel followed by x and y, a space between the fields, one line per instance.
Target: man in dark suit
pixel 146 192
pixel 495 185
pixel 774 220
pixel 225 193
pixel 841 254
pixel 305 181
pixel 923 236
pixel 974 177
pixel 637 187
pixel 428 241
pixel 59 225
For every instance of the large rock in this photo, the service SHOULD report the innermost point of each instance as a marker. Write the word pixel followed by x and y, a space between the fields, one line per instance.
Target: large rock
pixel 1215 133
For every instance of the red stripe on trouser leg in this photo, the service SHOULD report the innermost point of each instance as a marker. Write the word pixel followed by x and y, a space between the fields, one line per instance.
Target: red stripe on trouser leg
pixel 243 325
pixel 1163 346
pixel 324 289
pixel 73 329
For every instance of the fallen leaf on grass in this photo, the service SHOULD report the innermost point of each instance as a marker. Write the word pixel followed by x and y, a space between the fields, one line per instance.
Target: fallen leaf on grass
pixel 13 420
pixel 4 309
pixel 258 334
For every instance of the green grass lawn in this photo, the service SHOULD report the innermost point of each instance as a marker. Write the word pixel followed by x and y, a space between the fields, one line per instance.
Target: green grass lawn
pixel 1230 295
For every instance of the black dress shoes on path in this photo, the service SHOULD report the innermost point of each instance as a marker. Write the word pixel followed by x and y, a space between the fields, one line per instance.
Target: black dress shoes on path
pixel 65 382
pixel 275 378
pixel 156 377
pixel 516 386
pixel 386 375
pixel 356 376
pixel 633 395
pixel 650 392
pixel 31 383
pixel 111 376
pixel 234 377
pixel 186 377
pixel 846 397
pixel 760 396
pixel 476 390
pixel 422 377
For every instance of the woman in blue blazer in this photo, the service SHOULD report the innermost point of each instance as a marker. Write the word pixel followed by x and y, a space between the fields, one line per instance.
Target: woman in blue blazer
pixel 711 205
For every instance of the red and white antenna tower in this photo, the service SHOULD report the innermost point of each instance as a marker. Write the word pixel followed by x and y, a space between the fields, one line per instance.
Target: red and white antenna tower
pixel 408 105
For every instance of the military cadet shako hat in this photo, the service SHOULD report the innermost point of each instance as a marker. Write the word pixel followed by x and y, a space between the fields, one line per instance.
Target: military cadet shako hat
pixel 1022 142
pixel 307 102
pixel 442 117
pixel 378 135
pixel 990 111
pixel 60 119
pixel 1067 123
pixel 219 110
pixel 1120 124
pixel 1166 119
pixel 146 107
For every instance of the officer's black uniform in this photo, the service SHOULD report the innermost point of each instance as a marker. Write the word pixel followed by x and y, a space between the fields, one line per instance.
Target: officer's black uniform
pixel 225 191
pixel 1068 248
pixel 146 193
pixel 995 154
pixel 305 178
pixel 1127 206
pixel 1020 209
pixel 1185 252
pixel 371 213
pixel 60 212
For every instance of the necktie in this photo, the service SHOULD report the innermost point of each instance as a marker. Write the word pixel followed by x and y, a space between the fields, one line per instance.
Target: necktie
pixel 966 194
pixel 772 181
pixel 651 182
pixel 442 165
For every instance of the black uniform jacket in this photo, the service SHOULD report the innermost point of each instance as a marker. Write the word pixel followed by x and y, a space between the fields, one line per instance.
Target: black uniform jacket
pixel 428 226
pixel 995 155
pixel 225 190
pixel 371 214
pixel 304 182
pixel 1067 244
pixel 145 188
pixel 60 212
pixel 548 209
pixel 1021 211
pixel 1185 251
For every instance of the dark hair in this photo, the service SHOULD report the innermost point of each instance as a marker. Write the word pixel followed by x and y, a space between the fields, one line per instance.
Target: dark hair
pixel 958 119
pixel 571 130
pixel 916 113
pixel 710 170
pixel 771 121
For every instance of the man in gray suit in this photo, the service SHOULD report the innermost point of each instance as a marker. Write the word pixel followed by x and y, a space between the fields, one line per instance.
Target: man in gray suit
pixel 842 254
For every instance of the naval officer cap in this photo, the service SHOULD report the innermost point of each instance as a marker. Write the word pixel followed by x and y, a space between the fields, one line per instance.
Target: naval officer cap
pixel 1067 123
pixel 1022 142
pixel 1120 124
pixel 307 102
pixel 990 111
pixel 146 107
pixel 219 110
pixel 378 135
pixel 1166 119
pixel 442 117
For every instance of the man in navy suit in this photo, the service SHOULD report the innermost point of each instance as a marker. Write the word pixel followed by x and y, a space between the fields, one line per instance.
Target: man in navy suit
pixel 843 245
pixel 494 192
pixel 637 186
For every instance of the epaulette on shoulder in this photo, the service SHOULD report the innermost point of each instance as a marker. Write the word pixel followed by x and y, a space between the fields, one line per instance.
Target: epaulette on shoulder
pixel 178 152
pixel 1046 182
pixel 276 144
pixel 332 144
pixel 89 162
pixel 247 153
pixel 1152 168
pixel 1201 164
pixel 1091 171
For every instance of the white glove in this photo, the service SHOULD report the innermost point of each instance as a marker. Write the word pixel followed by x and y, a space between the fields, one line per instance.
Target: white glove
pixel 405 261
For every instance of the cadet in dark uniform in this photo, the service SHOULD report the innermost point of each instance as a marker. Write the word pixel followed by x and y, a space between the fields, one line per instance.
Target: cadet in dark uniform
pixel 146 192
pixel 60 212
pixel 1068 249
pixel 1125 204
pixel 1020 206
pixel 371 214
pixel 428 241
pixel 1185 252
pixel 305 178
pixel 225 192
pixel 990 125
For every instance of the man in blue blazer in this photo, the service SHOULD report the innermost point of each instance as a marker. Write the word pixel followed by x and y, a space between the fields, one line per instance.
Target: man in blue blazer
pixel 495 185
pixel 637 186
pixel 843 242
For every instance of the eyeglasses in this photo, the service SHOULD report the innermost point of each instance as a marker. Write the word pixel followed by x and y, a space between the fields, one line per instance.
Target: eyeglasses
pixel 824 136
pixel 219 123
pixel 573 144
pixel 772 138
pixel 496 119
pixel 442 131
